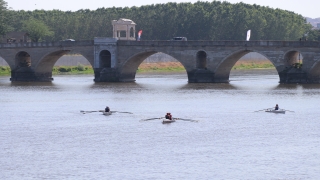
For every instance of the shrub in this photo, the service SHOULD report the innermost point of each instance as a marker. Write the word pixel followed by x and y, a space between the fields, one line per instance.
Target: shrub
pixel 64 69
pixel 81 67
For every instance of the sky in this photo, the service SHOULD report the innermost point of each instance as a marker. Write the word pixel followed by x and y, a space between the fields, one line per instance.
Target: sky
pixel 307 8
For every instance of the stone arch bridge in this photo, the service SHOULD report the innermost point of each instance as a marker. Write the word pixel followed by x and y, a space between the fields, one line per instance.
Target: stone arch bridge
pixel 205 61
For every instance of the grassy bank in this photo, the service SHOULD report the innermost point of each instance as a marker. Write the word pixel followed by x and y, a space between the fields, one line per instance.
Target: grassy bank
pixel 253 65
pixel 161 67
pixel 80 69
pixel 176 66
pixel 5 70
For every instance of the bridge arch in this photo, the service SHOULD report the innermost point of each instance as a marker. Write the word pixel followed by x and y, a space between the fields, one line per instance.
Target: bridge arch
pixel 47 62
pixel 222 72
pixel 201 60
pixel 314 73
pixel 105 59
pixel 4 64
pixel 22 60
pixel 129 68
pixel 293 58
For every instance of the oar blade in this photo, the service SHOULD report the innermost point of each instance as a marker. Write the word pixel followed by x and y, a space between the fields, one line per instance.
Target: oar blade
pixel 84 112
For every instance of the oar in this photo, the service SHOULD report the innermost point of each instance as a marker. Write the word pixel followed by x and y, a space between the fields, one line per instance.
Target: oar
pixel 261 110
pixel 287 110
pixel 149 119
pixel 122 112
pixel 82 111
pixel 264 109
pixel 192 120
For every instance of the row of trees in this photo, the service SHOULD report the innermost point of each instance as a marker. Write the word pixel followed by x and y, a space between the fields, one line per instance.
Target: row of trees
pixel 197 21
pixel 4 18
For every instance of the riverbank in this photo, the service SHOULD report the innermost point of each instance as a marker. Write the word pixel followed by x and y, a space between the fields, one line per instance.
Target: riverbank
pixel 176 66
pixel 145 67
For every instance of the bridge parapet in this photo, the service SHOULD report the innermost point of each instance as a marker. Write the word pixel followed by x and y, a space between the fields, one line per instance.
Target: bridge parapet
pixel 313 44
pixel 48 44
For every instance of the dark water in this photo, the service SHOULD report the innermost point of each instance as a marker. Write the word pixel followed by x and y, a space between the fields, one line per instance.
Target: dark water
pixel 43 135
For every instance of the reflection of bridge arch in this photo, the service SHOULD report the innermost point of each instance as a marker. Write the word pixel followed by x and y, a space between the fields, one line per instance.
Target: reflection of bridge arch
pixel 130 66
pixel 222 72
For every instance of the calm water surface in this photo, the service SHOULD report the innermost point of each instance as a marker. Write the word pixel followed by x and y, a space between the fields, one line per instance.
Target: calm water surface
pixel 43 135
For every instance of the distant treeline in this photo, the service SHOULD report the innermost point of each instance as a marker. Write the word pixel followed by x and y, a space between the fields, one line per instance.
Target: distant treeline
pixel 214 20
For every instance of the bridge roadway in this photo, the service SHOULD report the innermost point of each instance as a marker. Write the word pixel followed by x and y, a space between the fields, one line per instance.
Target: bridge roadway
pixel 204 61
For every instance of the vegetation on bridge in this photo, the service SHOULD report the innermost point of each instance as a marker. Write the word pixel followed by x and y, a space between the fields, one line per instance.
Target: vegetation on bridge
pixel 214 20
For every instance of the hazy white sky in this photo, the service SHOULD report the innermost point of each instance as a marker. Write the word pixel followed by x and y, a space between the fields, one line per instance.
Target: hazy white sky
pixel 307 8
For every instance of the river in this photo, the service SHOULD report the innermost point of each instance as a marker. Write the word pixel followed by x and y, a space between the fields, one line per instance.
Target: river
pixel 43 135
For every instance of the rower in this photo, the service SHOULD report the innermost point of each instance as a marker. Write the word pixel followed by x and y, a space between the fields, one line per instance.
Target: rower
pixel 167 116
pixel 107 109
pixel 277 107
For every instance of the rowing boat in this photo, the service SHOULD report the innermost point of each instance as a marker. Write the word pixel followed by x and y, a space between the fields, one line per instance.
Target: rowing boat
pixel 107 113
pixel 280 111
pixel 165 121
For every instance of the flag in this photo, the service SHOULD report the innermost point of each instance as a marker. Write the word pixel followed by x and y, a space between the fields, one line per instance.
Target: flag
pixel 139 35
pixel 248 35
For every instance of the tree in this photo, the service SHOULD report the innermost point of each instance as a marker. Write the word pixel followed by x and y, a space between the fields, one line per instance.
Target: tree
pixel 4 18
pixel 313 35
pixel 37 30
pixel 214 20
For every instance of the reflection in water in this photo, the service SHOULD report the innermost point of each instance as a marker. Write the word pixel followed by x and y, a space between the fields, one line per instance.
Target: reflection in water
pixel 116 85
pixel 44 136
pixel 15 83
pixel 202 86
pixel 298 86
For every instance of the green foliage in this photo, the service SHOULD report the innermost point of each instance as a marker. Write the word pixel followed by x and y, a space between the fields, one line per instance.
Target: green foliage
pixel 5 70
pixel 297 65
pixel 254 66
pixel 64 69
pixel 214 20
pixel 79 69
pixel 161 69
pixel 314 35
pixel 37 29
pixel 4 18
